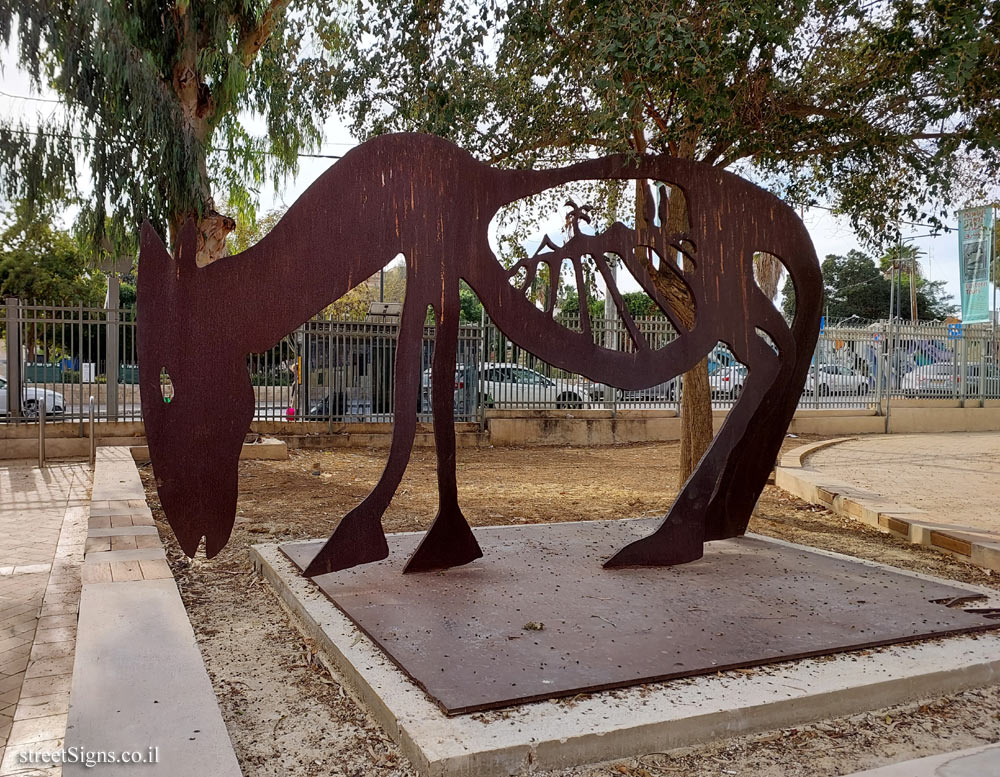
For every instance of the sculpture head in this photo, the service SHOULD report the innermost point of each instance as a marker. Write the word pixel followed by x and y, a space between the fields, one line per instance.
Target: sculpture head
pixel 197 402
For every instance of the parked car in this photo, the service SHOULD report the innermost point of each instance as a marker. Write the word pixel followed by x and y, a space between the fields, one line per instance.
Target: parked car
pixel 836 379
pixel 511 385
pixel 944 379
pixel 55 403
pixel 328 404
pixel 660 393
pixel 465 386
pixel 727 382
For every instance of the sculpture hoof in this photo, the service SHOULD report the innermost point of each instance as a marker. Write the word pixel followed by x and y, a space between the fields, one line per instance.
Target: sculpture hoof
pixel 657 550
pixel 350 545
pixel 448 543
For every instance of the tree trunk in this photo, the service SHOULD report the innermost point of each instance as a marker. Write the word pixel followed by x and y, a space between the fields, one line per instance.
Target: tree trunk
pixel 696 395
pixel 696 419
pixel 197 108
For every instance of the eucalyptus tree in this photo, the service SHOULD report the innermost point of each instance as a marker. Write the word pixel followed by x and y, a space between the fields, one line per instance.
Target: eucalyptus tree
pixel 157 98
pixel 871 105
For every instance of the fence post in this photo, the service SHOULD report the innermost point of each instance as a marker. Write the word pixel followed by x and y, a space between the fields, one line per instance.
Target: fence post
pixel 984 366
pixel 889 367
pixel 963 369
pixel 13 357
pixel 815 376
pixel 93 435
pixel 111 347
pixel 484 355
pixel 41 432
pixel 79 357
pixel 879 369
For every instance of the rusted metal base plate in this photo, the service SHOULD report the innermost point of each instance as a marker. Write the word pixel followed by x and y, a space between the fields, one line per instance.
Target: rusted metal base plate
pixel 469 636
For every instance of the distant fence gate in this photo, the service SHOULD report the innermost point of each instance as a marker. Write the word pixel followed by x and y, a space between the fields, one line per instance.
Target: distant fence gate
pixel 338 371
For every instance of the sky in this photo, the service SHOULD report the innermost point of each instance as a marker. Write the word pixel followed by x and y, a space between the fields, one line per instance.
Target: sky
pixel 830 234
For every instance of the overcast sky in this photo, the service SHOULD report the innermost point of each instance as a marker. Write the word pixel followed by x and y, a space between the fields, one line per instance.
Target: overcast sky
pixel 830 235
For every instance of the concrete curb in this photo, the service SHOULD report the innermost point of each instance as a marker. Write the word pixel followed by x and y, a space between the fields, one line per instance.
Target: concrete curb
pixel 269 449
pixel 797 456
pixel 139 681
pixel 901 520
pixel 63 447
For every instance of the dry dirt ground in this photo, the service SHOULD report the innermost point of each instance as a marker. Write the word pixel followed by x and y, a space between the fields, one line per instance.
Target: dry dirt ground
pixel 287 716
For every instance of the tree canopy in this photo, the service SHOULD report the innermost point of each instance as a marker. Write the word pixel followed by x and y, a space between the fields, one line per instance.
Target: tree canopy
pixel 857 286
pixel 156 99
pixel 638 303
pixel 874 106
pixel 39 262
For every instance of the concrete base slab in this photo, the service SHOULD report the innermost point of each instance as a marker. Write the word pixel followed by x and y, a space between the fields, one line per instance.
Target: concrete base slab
pixel 538 618
pixel 625 722
pixel 975 762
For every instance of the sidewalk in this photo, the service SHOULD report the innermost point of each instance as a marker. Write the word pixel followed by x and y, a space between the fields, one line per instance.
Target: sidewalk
pixel 935 490
pixel 43 525
pixel 975 762
pixel 954 477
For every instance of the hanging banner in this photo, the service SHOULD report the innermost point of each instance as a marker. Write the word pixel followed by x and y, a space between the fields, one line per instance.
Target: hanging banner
pixel 975 248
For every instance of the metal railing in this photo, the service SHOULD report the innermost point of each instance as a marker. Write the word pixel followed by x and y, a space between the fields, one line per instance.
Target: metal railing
pixel 337 371
pixel 59 353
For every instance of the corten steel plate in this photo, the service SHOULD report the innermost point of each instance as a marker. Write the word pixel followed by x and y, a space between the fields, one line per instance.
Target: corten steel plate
pixel 460 634
pixel 432 202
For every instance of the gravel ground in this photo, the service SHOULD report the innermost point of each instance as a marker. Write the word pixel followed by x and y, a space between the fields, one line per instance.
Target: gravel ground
pixel 287 716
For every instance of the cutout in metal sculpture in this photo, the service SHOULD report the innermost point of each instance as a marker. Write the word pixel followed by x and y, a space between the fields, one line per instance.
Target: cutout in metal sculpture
pixel 432 202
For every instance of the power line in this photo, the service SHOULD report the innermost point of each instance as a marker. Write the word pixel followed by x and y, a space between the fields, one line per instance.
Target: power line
pixel 92 139
pixel 33 99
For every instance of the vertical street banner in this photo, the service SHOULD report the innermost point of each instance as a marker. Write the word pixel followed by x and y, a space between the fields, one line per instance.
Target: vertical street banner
pixel 975 248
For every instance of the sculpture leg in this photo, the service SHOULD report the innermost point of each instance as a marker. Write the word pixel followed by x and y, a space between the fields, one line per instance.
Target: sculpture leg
pixel 681 536
pixel 449 542
pixel 746 471
pixel 358 538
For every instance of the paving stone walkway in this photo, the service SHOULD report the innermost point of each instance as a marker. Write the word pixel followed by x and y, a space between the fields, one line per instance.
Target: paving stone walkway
pixel 953 477
pixel 43 526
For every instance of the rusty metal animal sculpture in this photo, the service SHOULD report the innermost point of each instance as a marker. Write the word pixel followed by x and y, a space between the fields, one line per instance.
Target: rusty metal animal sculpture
pixel 432 202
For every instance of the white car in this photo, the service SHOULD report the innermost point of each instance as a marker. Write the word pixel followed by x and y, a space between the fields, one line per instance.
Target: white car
pixel 511 385
pixel 465 377
pixel 941 379
pixel 836 379
pixel 727 382
pixel 55 403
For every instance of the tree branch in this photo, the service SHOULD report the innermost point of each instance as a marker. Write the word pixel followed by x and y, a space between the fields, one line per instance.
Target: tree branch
pixel 252 41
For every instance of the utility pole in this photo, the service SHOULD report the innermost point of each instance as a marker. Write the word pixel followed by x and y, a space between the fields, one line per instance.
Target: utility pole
pixel 913 270
pixel 890 356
